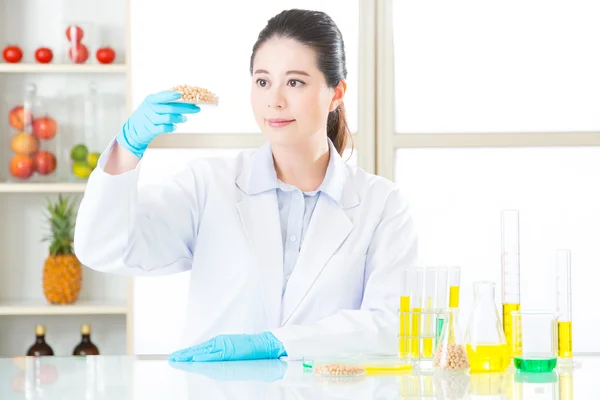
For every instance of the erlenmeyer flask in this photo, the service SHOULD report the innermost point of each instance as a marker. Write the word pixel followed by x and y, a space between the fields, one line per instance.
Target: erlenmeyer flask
pixel 451 354
pixel 486 344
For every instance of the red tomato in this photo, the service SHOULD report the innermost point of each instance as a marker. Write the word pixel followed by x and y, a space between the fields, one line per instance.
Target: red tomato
pixel 45 162
pixel 105 55
pixel 79 54
pixel 12 54
pixel 74 33
pixel 44 55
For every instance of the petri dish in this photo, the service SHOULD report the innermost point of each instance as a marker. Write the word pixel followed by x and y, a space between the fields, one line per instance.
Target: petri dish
pixel 338 367
pixel 385 365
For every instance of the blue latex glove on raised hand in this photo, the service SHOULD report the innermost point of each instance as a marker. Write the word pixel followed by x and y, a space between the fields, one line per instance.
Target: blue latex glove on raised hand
pixel 233 347
pixel 155 116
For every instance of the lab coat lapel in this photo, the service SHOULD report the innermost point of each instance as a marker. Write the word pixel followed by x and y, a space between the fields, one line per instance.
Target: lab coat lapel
pixel 328 228
pixel 260 217
pixel 259 213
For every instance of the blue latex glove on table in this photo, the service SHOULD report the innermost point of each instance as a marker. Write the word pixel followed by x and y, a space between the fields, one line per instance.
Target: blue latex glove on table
pixel 233 347
pixel 155 116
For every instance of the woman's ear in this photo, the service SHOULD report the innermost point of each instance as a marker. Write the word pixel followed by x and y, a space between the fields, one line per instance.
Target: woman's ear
pixel 338 95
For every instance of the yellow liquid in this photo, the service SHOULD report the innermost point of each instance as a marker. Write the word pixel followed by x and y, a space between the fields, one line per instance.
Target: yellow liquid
pixel 565 340
pixel 488 358
pixel 454 293
pixel 414 342
pixel 507 325
pixel 566 386
pixel 428 342
pixel 404 324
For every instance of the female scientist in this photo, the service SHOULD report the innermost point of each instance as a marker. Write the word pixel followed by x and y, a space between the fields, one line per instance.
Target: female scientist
pixel 291 250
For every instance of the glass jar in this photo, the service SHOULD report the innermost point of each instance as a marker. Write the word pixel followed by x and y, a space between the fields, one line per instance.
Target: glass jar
pixel 34 131
pixel 82 150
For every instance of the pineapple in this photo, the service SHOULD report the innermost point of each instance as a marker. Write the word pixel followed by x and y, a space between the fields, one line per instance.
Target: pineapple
pixel 62 269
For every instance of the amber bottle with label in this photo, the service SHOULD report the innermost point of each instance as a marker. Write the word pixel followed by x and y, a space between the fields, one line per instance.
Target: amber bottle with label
pixel 86 347
pixel 40 347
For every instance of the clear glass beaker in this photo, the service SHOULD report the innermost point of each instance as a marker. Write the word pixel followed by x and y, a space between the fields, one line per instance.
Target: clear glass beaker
pixel 535 340
pixel 487 348
pixel 451 353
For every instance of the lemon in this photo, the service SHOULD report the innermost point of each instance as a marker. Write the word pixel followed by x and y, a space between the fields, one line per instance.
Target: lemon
pixel 92 159
pixel 81 169
pixel 79 152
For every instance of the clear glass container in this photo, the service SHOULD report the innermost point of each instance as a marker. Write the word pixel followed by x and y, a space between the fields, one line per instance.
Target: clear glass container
pixel 451 352
pixel 535 340
pixel 487 348
pixel 33 134
pixel 511 270
pixel 564 304
pixel 80 41
pixel 94 118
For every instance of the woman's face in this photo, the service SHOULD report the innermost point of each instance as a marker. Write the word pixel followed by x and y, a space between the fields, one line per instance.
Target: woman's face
pixel 290 97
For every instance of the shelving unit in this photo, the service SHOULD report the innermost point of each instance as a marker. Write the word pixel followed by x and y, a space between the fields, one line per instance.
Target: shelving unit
pixel 42 187
pixel 80 308
pixel 62 68
pixel 105 300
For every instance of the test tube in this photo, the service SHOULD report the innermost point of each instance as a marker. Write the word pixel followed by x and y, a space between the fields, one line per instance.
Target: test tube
pixel 454 287
pixel 511 275
pixel 416 299
pixel 441 300
pixel 563 298
pixel 406 275
pixel 429 311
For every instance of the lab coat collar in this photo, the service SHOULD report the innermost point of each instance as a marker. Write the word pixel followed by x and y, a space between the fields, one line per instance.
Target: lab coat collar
pixel 260 176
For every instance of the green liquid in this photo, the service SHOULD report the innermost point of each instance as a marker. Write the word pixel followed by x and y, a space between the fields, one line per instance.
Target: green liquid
pixel 438 332
pixel 535 365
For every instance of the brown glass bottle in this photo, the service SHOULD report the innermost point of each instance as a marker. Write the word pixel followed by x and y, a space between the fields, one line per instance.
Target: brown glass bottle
pixel 86 347
pixel 40 347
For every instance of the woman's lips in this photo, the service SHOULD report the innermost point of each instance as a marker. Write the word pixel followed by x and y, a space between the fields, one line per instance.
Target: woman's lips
pixel 279 122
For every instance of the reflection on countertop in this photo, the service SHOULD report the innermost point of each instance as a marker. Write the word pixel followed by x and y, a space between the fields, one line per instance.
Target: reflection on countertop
pixel 154 377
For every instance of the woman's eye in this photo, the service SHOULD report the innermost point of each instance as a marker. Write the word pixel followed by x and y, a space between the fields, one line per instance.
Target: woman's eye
pixel 261 82
pixel 295 82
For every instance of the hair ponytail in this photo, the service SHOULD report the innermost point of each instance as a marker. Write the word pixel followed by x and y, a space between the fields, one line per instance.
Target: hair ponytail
pixel 337 128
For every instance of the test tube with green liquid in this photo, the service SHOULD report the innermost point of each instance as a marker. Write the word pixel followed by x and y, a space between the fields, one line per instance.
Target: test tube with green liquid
pixel 563 299
pixel 416 300
pixel 441 300
pixel 511 272
pixel 406 275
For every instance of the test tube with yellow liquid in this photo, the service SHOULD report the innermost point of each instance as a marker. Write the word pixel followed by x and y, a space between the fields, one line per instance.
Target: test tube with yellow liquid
pixel 429 306
pixel 511 272
pixel 416 299
pixel 454 280
pixel 563 299
pixel 406 275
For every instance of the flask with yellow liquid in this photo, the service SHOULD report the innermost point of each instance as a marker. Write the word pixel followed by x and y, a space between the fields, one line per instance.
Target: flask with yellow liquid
pixel 487 348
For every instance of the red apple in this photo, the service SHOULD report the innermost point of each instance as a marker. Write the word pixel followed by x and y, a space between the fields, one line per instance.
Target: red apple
pixel 19 118
pixel 45 162
pixel 22 166
pixel 44 128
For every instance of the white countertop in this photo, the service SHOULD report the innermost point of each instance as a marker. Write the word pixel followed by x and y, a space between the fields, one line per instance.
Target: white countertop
pixel 153 377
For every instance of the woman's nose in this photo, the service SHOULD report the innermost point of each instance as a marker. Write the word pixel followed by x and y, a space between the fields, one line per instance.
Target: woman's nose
pixel 277 99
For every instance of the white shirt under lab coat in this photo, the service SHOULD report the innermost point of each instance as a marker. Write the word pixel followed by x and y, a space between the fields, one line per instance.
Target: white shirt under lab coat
pixel 343 295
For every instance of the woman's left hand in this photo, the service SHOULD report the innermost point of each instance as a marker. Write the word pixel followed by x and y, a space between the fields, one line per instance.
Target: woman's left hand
pixel 232 347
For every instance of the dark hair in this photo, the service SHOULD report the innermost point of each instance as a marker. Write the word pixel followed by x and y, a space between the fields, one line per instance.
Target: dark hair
pixel 316 30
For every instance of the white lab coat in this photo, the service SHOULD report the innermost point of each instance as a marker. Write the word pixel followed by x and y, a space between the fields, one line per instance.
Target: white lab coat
pixel 343 293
